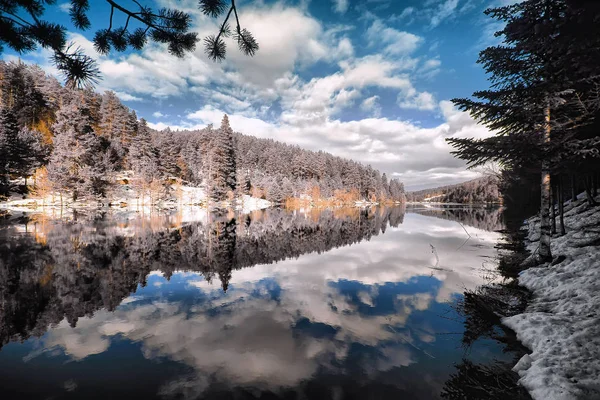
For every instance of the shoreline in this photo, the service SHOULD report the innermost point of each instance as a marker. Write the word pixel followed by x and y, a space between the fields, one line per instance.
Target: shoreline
pixel 178 197
pixel 560 324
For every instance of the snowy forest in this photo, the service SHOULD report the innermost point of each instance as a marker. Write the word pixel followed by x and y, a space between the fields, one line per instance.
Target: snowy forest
pixel 81 145
pixel 477 191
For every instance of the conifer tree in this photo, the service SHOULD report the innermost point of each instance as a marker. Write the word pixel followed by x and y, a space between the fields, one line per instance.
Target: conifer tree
pixel 385 186
pixel 526 97
pixel 76 164
pixel 10 144
pixel 222 168
pixel 144 158
pixel 275 192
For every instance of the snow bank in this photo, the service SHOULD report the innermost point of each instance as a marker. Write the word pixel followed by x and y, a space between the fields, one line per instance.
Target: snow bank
pixel 562 323
pixel 127 198
pixel 249 204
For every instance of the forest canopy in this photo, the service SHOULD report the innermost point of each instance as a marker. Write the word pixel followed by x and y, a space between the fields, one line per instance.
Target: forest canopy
pixel 80 143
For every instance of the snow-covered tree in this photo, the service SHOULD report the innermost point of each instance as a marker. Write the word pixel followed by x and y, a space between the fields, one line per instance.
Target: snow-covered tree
pixel 77 161
pixel 222 167
pixel 144 159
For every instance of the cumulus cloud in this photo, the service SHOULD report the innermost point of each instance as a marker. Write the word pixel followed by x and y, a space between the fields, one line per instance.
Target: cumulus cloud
pixel 127 97
pixel 419 101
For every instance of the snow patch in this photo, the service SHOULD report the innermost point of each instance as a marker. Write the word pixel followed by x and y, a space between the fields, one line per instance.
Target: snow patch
pixel 562 323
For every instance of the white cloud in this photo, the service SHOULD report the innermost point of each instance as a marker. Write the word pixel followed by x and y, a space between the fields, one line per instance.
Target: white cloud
pixel 65 7
pixel 433 63
pixel 158 114
pixel 406 13
pixel 127 97
pixel 371 104
pixel 340 6
pixel 442 12
pixel 396 42
pixel 423 101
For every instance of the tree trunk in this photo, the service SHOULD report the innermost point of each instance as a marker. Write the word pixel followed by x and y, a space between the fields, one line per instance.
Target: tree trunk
pixel 552 204
pixel 573 188
pixel 588 191
pixel 561 206
pixel 545 254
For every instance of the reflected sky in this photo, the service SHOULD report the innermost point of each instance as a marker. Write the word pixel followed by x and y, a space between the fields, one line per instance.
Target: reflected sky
pixel 359 306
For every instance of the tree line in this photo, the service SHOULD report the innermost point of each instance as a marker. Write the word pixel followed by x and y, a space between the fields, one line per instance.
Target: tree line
pixel 543 104
pixel 477 191
pixel 79 143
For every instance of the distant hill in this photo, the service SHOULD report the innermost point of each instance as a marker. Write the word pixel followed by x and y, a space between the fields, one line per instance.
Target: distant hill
pixel 477 191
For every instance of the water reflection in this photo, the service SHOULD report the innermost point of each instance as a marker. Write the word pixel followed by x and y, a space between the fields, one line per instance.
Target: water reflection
pixel 315 304
pixel 486 218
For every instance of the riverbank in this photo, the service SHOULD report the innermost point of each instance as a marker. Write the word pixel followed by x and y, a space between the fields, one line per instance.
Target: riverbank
pixel 128 197
pixel 561 323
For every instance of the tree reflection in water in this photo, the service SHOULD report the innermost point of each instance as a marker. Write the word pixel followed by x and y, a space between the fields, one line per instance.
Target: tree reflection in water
pixel 361 322
pixel 69 270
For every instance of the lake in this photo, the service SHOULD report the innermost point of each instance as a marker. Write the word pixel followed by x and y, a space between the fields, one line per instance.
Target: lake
pixel 332 304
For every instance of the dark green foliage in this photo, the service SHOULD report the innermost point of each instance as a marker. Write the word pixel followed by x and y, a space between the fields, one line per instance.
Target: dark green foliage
pixel 23 29
pixel 550 57
pixel 21 150
pixel 543 102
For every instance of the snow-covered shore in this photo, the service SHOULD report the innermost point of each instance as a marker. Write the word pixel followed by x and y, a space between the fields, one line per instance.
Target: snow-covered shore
pixel 561 325
pixel 128 200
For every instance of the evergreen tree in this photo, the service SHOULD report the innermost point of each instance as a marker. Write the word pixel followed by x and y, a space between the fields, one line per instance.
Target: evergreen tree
pixel 34 152
pixel 76 164
pixel 144 157
pixel 222 169
pixel 287 188
pixel 10 145
pixel 385 186
pixel 170 152
pixel 246 184
pixel 275 192
pixel 116 122
pixel 397 190
pixel 526 99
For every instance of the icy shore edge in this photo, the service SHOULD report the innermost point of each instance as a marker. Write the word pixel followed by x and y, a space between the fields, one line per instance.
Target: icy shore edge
pixel 561 325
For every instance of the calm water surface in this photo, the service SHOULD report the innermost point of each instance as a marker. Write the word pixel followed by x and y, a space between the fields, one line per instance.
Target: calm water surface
pixel 328 304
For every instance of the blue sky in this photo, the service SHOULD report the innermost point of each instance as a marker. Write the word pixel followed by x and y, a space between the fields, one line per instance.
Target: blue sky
pixel 369 80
